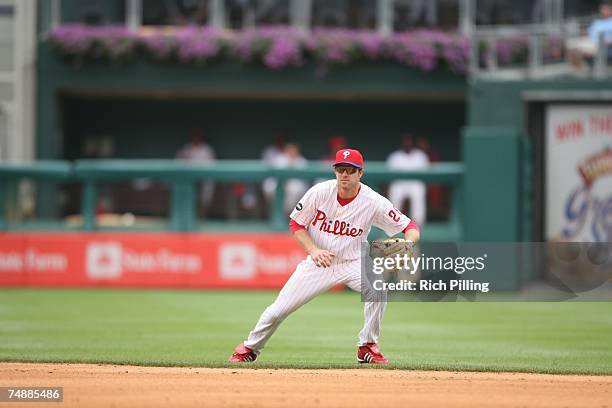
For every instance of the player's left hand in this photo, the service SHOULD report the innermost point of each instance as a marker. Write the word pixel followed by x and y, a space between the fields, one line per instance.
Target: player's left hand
pixel 390 247
pixel 322 257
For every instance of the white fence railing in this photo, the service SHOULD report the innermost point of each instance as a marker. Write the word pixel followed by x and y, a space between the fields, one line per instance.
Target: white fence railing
pixel 536 65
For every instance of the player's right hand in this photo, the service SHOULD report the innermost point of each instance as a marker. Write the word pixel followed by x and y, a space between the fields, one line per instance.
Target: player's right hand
pixel 322 257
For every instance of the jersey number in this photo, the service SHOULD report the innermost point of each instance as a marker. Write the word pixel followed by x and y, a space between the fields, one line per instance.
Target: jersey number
pixel 394 216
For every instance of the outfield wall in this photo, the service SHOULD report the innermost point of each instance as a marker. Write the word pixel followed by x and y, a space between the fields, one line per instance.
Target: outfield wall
pixel 238 261
pixel 193 260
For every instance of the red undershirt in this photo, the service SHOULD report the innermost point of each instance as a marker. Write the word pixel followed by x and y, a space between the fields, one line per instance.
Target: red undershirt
pixel 345 201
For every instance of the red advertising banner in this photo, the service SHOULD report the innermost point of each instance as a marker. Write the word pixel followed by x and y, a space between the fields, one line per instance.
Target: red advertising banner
pixel 148 259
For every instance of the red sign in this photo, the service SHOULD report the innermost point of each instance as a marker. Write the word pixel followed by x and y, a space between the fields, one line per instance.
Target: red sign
pixel 148 260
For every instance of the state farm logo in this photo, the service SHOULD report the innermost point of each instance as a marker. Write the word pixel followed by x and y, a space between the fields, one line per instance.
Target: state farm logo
pixel 104 260
pixel 244 261
pixel 110 260
pixel 237 261
pixel 33 260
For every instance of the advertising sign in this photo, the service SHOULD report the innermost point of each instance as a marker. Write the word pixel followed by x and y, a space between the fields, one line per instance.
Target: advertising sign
pixel 578 156
pixel 148 260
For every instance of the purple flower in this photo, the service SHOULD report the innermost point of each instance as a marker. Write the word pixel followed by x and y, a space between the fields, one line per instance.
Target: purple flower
pixel 159 45
pixel 245 45
pixel 276 47
pixel 457 55
pixel 285 51
pixel 71 38
pixel 334 46
pixel 80 40
pixel 372 45
pixel 197 44
pixel 414 50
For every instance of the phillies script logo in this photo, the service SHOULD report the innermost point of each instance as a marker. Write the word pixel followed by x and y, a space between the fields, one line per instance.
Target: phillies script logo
pixel 337 227
pixel 582 201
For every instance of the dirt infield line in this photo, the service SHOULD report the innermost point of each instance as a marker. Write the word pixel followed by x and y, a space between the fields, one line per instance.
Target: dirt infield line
pixel 136 386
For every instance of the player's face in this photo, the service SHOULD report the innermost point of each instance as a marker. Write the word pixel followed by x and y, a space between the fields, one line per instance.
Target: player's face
pixel 347 176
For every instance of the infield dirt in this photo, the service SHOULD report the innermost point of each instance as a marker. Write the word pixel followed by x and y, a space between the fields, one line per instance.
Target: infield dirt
pixel 135 386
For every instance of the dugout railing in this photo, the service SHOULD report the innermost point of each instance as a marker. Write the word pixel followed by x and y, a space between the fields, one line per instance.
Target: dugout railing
pixel 183 179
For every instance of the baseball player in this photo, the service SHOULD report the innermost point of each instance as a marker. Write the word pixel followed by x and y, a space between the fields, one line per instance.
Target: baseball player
pixel 331 222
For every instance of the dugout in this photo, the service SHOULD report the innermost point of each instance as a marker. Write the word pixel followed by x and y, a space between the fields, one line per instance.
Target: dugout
pixel 147 108
pixel 498 146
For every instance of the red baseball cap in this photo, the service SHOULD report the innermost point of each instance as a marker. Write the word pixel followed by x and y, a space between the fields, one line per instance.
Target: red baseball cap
pixel 349 156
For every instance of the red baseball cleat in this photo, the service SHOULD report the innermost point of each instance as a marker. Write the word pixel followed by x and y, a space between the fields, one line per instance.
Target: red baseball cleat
pixel 243 354
pixel 370 353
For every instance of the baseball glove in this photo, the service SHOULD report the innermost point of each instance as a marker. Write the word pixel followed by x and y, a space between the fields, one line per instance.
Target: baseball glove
pixel 390 247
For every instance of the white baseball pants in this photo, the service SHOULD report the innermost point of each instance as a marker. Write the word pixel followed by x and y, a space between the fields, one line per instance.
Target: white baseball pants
pixel 307 282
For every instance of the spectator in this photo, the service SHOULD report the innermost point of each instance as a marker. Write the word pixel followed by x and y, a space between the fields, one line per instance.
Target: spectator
pixel 435 192
pixel 408 157
pixel 271 152
pixel 200 152
pixel 273 156
pixel 247 194
pixel 581 48
pixel 334 143
pixel 294 188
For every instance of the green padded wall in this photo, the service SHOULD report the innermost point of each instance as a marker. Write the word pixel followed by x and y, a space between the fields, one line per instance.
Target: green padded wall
pixel 492 183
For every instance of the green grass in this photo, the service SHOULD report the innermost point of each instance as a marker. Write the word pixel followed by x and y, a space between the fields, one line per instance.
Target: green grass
pixel 200 328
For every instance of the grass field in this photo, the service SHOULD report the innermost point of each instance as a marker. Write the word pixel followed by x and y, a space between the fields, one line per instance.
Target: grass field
pixel 200 328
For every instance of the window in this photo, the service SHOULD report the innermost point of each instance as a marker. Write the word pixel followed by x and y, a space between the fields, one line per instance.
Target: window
pixel 175 12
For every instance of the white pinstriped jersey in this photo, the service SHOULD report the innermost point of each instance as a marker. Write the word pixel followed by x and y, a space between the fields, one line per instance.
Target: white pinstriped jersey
pixel 341 229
